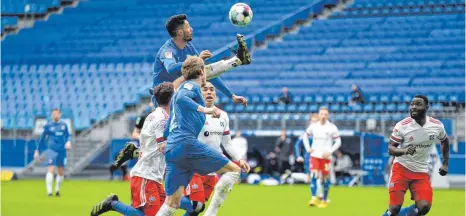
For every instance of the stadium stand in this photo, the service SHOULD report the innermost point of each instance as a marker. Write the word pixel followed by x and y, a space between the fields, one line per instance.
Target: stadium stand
pixel 90 51
pixel 391 49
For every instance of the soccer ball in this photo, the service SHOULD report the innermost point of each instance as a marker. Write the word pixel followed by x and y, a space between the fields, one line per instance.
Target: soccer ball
pixel 240 14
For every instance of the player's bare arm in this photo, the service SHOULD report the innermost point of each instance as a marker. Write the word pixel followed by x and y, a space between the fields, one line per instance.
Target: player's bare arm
pixel 395 151
pixel 136 133
pixel 445 147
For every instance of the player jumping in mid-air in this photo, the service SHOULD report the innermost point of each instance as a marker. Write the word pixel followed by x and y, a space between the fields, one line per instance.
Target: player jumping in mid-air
pixel 216 132
pixel 147 192
pixel 184 154
pixel 325 141
pixel 174 52
pixel 57 136
pixel 170 57
pixel 411 143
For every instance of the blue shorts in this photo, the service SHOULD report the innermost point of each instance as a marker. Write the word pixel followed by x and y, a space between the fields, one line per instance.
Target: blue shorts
pixel 185 159
pixel 55 158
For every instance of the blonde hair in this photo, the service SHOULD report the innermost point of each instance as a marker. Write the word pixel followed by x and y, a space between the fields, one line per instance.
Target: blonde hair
pixel 191 68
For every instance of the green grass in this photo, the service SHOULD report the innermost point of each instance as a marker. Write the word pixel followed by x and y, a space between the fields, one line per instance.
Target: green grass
pixel 26 197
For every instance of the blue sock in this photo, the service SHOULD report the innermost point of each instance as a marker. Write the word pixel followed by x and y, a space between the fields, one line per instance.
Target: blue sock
pixel 408 211
pixel 126 209
pixel 313 185
pixel 326 184
pixel 186 204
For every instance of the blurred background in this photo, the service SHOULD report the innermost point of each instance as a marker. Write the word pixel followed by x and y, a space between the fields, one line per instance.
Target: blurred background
pixel 363 59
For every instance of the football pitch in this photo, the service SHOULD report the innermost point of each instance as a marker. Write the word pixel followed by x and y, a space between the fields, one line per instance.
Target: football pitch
pixel 28 197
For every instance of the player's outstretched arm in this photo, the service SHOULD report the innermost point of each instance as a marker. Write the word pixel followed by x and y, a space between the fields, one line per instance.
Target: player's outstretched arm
pixel 445 147
pixel 220 85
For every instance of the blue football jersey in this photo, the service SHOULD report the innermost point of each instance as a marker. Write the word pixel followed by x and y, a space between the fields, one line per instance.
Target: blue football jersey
pixel 185 122
pixel 55 135
pixel 169 56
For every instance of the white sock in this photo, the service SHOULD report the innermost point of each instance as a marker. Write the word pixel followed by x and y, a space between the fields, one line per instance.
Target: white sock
pixel 218 68
pixel 222 189
pixel 58 182
pixel 49 182
pixel 166 210
pixel 320 189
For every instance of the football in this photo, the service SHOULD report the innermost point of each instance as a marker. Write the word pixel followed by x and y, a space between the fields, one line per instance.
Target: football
pixel 240 15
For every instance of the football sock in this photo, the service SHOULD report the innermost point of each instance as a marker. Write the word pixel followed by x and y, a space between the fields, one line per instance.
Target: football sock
pixel 49 182
pixel 313 186
pixel 126 209
pixel 186 204
pixel 326 187
pixel 409 211
pixel 222 189
pixel 166 210
pixel 387 213
pixel 58 182
pixel 218 68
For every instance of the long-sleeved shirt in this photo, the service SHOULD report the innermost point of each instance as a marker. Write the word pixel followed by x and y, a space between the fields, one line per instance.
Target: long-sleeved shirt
pixel 168 62
pixel 185 122
pixel 55 136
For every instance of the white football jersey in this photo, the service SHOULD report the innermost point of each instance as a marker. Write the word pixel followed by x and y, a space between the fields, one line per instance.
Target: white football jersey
pixel 323 138
pixel 151 162
pixel 408 132
pixel 214 129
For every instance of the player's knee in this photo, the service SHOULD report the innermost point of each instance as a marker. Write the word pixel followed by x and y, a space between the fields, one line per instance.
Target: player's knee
pixel 173 201
pixel 423 207
pixel 394 209
pixel 51 169
pixel 314 174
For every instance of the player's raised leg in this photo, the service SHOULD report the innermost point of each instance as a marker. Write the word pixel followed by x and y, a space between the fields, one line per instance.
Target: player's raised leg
pixel 111 203
pixel 242 57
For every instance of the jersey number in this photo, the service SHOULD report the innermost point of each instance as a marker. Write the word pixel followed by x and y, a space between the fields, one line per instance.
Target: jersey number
pixel 432 137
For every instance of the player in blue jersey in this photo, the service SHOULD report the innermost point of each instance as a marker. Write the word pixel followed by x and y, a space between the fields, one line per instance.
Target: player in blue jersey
pixel 57 138
pixel 184 154
pixel 170 57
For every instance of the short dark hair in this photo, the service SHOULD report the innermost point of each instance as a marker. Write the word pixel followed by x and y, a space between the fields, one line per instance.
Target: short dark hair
pixel 174 22
pixel 56 109
pixel 426 100
pixel 163 93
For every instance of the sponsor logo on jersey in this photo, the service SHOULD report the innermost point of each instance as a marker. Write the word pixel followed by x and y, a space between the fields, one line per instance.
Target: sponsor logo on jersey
pixel 423 145
pixel 213 133
pixel 411 138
